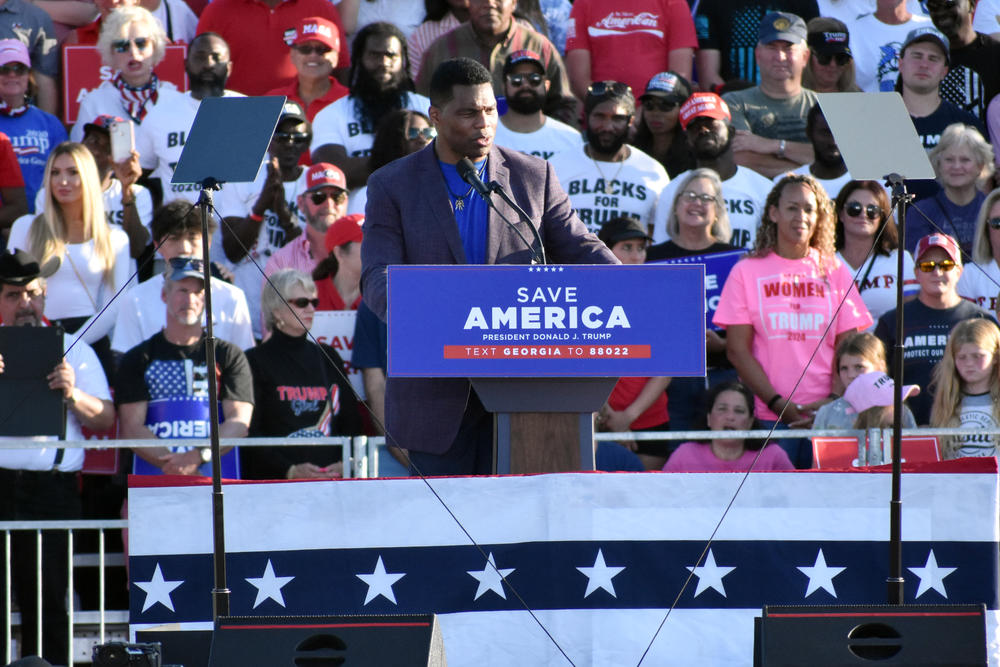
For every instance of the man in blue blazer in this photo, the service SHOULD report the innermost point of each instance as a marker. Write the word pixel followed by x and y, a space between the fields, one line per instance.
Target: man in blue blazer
pixel 420 211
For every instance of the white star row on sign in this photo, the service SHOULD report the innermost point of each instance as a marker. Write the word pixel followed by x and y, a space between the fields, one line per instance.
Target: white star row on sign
pixel 545 268
pixel 600 576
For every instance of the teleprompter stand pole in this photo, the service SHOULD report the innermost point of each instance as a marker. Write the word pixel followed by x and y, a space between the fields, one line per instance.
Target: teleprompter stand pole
pixel 900 200
pixel 220 594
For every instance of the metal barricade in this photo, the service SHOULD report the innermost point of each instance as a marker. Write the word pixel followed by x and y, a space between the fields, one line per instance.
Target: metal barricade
pixel 102 617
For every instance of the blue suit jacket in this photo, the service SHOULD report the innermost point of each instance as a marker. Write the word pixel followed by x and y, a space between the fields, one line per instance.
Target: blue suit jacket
pixel 409 220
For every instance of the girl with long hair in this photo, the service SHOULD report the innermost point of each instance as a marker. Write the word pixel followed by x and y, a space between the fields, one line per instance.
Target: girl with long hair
pixel 72 226
pixel 730 407
pixel 966 389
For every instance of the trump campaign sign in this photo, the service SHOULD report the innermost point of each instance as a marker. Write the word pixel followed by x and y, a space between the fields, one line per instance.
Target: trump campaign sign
pixel 717 268
pixel 546 321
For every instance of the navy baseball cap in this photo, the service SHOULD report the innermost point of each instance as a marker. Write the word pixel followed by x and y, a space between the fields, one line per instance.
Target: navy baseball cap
pixel 782 26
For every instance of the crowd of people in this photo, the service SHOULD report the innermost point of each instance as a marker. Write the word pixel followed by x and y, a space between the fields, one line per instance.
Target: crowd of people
pixel 678 131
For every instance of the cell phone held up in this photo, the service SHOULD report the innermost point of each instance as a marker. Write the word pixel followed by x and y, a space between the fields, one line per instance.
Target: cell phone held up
pixel 122 140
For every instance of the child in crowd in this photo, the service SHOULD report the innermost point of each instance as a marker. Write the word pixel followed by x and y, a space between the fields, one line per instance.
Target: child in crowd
pixel 730 407
pixel 856 355
pixel 870 397
pixel 967 389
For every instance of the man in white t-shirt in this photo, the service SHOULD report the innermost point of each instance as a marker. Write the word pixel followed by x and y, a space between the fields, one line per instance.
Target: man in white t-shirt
pixel 707 124
pixel 607 178
pixel 261 217
pixel 343 132
pixel 160 139
pixel 524 127
pixel 876 39
pixel 41 482
pixel 177 233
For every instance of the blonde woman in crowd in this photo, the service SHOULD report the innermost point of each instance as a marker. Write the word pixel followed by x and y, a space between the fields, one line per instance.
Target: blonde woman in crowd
pixel 72 226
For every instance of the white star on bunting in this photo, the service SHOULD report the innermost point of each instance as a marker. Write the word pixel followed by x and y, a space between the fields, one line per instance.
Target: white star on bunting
pixel 269 586
pixel 600 575
pixel 710 575
pixel 380 582
pixel 158 590
pixel 820 575
pixel 489 579
pixel 931 576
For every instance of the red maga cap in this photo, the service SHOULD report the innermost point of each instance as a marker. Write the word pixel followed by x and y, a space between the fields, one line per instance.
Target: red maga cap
pixel 708 105
pixel 323 174
pixel 318 29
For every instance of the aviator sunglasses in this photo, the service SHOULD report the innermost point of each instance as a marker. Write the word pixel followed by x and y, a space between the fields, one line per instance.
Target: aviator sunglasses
pixel 533 79
pixel 425 133
pixel 321 196
pixel 302 302
pixel 929 266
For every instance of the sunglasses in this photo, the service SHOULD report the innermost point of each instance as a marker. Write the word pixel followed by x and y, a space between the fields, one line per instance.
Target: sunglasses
pixel 872 212
pixel 292 137
pixel 14 68
pixel 124 45
pixel 181 263
pixel 994 223
pixel 692 197
pixel 302 302
pixel 534 79
pixel 310 49
pixel 825 58
pixel 602 88
pixel 658 105
pixel 320 196
pixel 426 133
pixel 929 266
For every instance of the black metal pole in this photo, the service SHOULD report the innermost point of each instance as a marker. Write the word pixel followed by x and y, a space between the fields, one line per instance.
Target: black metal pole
pixel 220 594
pixel 895 580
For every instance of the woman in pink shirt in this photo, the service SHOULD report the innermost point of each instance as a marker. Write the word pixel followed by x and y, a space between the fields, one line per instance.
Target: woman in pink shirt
pixel 730 408
pixel 786 305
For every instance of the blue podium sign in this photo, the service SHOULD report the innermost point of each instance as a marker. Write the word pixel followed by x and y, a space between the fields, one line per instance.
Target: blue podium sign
pixel 546 321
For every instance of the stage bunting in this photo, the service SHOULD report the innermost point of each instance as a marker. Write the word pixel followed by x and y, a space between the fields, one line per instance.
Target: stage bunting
pixel 597 557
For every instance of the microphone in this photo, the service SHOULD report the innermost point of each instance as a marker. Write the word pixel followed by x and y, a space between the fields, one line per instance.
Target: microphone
pixel 467 171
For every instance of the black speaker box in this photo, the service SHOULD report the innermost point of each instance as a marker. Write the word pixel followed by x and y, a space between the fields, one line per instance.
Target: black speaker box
pixel 328 641
pixel 912 635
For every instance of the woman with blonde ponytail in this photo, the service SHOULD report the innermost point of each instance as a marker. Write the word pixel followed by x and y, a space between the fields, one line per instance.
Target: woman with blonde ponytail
pixel 73 227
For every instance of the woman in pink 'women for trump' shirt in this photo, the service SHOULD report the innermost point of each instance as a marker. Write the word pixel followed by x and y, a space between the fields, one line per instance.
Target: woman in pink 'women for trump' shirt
pixel 782 303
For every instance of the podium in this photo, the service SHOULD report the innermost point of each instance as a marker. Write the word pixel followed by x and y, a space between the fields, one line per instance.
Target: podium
pixel 544 345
